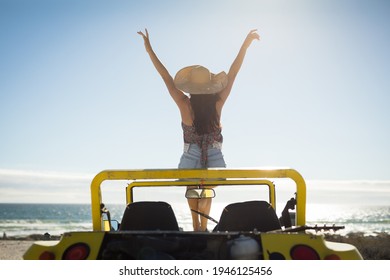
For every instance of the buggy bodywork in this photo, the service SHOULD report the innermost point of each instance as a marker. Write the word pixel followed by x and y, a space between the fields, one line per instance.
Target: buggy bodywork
pixel 247 229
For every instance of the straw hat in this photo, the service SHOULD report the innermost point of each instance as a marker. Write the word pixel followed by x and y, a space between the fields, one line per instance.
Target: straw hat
pixel 197 79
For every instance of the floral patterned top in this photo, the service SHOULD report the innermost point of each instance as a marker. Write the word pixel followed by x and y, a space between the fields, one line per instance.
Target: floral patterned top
pixel 203 141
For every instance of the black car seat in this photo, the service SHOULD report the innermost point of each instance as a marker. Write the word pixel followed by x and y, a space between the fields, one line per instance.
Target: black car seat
pixel 248 216
pixel 149 215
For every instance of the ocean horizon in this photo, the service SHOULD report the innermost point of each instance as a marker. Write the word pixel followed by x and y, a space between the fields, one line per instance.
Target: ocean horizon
pixel 25 219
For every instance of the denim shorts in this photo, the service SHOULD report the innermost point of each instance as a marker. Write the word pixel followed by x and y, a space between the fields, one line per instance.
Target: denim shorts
pixel 192 154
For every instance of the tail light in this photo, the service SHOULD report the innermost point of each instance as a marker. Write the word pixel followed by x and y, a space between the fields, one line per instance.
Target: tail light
pixel 46 255
pixel 78 251
pixel 304 252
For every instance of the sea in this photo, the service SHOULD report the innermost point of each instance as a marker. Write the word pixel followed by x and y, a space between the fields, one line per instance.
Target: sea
pixel 22 220
pixel 54 203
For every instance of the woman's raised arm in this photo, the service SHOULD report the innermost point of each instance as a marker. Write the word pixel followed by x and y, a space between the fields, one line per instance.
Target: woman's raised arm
pixel 236 65
pixel 176 94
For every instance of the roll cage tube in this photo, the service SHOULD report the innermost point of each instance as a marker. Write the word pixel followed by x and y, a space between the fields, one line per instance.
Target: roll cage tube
pixel 202 174
pixel 197 182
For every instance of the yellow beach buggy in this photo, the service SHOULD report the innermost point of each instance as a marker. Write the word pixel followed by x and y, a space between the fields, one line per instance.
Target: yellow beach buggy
pixel 150 227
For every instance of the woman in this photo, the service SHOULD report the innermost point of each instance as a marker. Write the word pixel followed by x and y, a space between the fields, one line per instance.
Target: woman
pixel 200 114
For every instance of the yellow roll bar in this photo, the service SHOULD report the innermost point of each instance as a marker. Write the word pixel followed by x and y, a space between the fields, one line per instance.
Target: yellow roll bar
pixel 171 183
pixel 217 176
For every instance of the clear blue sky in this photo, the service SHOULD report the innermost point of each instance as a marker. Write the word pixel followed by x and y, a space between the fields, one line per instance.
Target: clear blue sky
pixel 79 94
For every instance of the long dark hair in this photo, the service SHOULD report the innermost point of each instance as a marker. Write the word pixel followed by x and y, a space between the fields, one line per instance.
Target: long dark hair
pixel 206 118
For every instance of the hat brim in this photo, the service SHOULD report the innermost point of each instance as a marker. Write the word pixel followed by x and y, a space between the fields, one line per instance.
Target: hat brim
pixel 216 84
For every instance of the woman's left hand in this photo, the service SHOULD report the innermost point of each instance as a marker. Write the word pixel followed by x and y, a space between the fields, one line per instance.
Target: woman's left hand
pixel 252 35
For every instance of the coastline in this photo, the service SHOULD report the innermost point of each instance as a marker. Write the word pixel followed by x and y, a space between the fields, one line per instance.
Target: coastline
pixel 371 247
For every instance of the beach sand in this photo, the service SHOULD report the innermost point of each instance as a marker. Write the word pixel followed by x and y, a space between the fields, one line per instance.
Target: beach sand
pixel 371 247
pixel 14 249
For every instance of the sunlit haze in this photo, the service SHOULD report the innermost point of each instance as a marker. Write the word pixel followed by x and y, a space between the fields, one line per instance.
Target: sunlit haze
pixel 79 94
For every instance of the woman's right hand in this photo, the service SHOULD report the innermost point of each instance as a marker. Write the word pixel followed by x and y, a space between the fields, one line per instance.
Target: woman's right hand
pixel 145 36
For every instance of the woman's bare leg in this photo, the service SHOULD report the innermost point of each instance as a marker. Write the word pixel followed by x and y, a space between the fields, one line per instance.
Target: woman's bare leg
pixel 204 207
pixel 193 204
